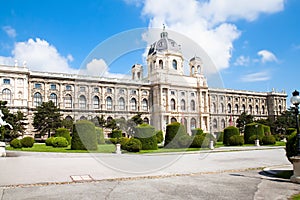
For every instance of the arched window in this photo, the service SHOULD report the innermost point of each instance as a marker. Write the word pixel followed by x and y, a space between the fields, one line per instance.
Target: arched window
pixel 161 64
pixel 223 123
pixel 37 99
pixel 215 124
pixel 108 103
pixel 256 109
pixel 198 69
pixel 214 109
pixel 193 106
pixel 222 108
pixel 229 108
pixel 133 104
pixel 250 109
pixel 121 104
pixel 193 123
pixel 82 102
pixel 68 101
pixel 182 104
pixel 280 109
pixel 145 104
pixel 6 95
pixel 173 119
pixel 236 108
pixel 146 120
pixel 193 70
pixel 83 118
pixel 68 118
pixel 53 98
pixel 263 109
pixel 173 104
pixel 244 108
pixel 96 102
pixel 174 63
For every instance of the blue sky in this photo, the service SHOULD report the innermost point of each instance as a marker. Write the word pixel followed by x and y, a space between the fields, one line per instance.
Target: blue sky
pixel 255 44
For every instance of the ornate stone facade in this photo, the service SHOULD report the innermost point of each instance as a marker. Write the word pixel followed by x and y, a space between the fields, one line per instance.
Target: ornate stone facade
pixel 164 96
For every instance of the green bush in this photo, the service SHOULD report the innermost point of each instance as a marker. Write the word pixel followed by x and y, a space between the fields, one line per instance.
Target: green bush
pixel 220 137
pixel 100 135
pixel 291 146
pixel 197 131
pixel 84 136
pixel 63 132
pixel 27 142
pixel 146 134
pixel 228 132
pixel 133 145
pixel 268 139
pixel 60 142
pixel 289 131
pixel 184 141
pixel 16 143
pixel 236 140
pixel 116 134
pixel 49 141
pixel 253 138
pixel 159 136
pixel 173 133
pixel 113 140
pixel 197 141
pixel 267 129
pixel 123 141
pixel 250 130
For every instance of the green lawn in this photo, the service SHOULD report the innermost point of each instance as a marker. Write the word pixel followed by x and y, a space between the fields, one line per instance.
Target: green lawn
pixel 41 147
pixel 296 197
pixel 109 148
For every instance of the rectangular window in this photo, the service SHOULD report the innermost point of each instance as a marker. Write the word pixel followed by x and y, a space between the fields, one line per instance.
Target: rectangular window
pixel 6 81
pixel 38 86
pixel 52 87
pixel 82 89
pixel 96 89
pixel 68 87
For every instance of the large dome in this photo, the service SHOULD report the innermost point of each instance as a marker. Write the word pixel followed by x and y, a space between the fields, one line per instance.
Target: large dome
pixel 164 44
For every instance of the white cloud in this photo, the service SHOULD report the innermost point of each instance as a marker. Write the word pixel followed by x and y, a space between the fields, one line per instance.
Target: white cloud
pixel 256 77
pixel 40 56
pixel 98 67
pixel 9 31
pixel 267 56
pixel 242 61
pixel 207 22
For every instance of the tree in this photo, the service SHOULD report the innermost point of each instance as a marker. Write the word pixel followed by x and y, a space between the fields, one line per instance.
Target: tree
pixel 47 118
pixel 243 120
pixel 284 121
pixel 133 122
pixel 16 120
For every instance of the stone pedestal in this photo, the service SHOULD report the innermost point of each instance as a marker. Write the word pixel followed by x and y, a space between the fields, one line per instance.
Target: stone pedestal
pixel 2 149
pixel 118 149
pixel 257 143
pixel 296 166
pixel 211 145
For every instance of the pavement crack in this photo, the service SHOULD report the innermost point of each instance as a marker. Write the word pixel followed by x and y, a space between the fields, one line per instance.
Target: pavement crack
pixel 111 190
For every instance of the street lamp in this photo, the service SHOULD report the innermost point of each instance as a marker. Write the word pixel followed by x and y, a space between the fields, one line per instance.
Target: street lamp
pixel 295 100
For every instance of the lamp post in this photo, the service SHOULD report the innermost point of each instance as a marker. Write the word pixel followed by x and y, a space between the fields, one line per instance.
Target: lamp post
pixel 295 100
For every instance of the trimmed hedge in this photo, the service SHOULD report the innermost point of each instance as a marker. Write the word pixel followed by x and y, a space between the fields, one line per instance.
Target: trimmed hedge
pixel 133 145
pixel 253 138
pixel 146 134
pixel 84 136
pixel 289 131
pixel 220 136
pixel 27 142
pixel 60 142
pixel 49 141
pixel 100 135
pixel 123 141
pixel 236 140
pixel 197 141
pixel 63 132
pixel 159 136
pixel 228 132
pixel 15 143
pixel 173 133
pixel 268 139
pixel 267 129
pixel 197 131
pixel 203 140
pixel 251 130
pixel 291 146
pixel 116 133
